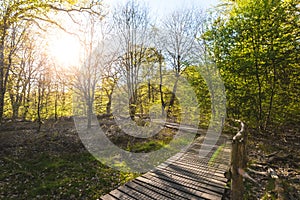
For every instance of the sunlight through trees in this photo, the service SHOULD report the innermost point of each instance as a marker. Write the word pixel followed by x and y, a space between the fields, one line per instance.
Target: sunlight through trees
pixel 51 50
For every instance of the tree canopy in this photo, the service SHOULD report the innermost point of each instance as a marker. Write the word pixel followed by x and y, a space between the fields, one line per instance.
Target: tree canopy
pixel 256 47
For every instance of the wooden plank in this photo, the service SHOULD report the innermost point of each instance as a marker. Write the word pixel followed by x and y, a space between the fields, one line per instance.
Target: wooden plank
pixel 118 194
pixel 133 193
pixel 181 190
pixel 108 197
pixel 166 194
pixel 172 193
pixel 206 184
pixel 194 161
pixel 171 160
pixel 212 180
pixel 203 171
pixel 203 176
pixel 185 186
pixel 145 190
pixel 197 166
pixel 188 183
pixel 218 187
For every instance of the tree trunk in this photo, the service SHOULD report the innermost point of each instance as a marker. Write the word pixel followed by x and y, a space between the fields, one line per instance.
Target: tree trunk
pixel 163 105
pixel 16 99
pixel 27 100
pixel 259 85
pixel 273 86
pixel 39 119
pixel 89 115
pixel 108 105
pixel 149 90
pixel 15 110
pixel 55 105
pixel 132 109
pixel 2 86
pixel 173 97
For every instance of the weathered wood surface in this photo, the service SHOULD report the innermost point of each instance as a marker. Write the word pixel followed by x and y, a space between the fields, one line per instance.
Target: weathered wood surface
pixel 238 163
pixel 184 176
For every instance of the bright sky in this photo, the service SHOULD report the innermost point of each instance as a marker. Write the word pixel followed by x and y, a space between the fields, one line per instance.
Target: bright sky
pixel 65 49
pixel 161 7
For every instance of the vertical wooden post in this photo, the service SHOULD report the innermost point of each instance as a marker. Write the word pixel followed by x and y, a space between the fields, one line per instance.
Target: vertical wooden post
pixel 238 163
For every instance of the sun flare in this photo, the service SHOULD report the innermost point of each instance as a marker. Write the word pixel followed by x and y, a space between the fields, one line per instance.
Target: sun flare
pixel 65 51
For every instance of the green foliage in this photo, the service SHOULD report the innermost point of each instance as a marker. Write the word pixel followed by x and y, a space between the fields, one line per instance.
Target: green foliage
pixel 16 19
pixel 256 48
pixel 197 81
pixel 254 44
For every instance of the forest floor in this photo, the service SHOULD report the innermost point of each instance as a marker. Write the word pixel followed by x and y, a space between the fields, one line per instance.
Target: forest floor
pixel 274 164
pixel 53 163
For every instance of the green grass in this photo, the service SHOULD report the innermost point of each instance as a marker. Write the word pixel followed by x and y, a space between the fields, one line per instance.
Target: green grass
pixel 215 155
pixel 146 146
pixel 156 144
pixel 45 176
pixel 162 139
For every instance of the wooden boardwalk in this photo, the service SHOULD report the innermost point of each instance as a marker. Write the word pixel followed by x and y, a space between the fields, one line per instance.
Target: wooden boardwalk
pixel 184 176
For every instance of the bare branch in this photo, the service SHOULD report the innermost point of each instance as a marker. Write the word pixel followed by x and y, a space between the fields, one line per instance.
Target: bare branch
pixel 88 9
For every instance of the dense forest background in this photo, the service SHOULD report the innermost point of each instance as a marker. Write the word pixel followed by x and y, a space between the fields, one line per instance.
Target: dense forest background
pixel 252 45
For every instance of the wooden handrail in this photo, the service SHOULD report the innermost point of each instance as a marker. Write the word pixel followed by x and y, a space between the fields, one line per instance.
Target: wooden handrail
pixel 238 162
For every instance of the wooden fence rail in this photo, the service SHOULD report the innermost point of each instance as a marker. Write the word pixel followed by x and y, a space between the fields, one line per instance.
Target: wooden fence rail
pixel 238 163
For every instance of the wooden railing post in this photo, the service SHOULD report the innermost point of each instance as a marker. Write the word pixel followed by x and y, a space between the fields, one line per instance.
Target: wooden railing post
pixel 238 163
